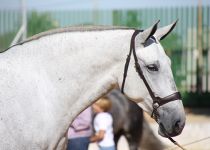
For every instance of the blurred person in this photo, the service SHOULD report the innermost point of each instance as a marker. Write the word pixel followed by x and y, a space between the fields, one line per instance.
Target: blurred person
pixel 103 125
pixel 80 131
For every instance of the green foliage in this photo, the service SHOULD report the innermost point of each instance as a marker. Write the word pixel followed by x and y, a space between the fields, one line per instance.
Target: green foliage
pixel 129 19
pixel 39 22
pixel 172 42
pixel 6 39
pixel 132 19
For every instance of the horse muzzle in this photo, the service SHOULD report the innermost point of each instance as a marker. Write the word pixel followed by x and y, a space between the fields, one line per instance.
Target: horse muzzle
pixel 174 131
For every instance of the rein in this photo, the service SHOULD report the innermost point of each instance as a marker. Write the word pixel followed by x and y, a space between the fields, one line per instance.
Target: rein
pixel 157 101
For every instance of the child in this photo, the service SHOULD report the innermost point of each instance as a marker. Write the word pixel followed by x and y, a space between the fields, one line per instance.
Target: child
pixel 103 125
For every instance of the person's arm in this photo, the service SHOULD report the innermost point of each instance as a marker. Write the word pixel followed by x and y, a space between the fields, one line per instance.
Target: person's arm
pixel 98 136
pixel 80 124
pixel 83 121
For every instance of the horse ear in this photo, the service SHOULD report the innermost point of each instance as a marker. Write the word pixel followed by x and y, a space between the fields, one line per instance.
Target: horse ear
pixel 161 33
pixel 146 34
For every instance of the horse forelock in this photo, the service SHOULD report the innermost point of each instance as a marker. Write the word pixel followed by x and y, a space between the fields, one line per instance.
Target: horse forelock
pixel 150 41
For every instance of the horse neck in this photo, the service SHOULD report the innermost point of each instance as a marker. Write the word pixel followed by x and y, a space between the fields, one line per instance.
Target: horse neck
pixel 99 61
pixel 81 66
pixel 72 69
pixel 94 68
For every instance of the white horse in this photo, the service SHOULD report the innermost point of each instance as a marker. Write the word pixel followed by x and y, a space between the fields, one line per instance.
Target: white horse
pixel 48 79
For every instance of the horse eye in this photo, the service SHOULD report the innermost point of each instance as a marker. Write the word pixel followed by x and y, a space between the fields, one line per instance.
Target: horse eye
pixel 152 67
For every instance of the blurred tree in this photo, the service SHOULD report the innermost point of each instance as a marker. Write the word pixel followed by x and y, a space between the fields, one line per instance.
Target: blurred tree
pixel 132 19
pixel 126 18
pixel 39 22
pixel 5 40
pixel 172 42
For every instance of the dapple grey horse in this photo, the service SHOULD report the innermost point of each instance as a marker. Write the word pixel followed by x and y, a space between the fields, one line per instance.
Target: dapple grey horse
pixel 50 78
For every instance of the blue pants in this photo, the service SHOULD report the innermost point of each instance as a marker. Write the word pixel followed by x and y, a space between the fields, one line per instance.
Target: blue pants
pixel 107 148
pixel 81 143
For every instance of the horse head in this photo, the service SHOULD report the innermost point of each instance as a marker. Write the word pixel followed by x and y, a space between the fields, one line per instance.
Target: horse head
pixel 155 91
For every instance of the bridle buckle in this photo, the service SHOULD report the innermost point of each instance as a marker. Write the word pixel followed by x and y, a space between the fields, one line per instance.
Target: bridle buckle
pixel 156 105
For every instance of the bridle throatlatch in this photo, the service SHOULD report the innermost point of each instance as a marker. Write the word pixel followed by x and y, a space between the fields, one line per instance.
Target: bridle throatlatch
pixel 157 101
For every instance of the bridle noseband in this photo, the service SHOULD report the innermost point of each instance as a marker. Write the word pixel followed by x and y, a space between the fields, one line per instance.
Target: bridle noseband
pixel 157 101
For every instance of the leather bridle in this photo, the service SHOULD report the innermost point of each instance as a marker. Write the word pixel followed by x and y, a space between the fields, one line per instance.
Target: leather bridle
pixel 157 101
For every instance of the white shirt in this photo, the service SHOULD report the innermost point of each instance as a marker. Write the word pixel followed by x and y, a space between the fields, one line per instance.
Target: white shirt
pixel 104 121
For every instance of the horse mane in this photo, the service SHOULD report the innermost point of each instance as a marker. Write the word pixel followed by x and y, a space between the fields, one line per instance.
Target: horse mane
pixel 81 28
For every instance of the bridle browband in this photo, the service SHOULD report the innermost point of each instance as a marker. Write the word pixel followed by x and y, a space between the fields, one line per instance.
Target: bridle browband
pixel 157 101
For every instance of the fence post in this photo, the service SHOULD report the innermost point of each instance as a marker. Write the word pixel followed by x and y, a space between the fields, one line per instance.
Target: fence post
pixel 24 19
pixel 200 49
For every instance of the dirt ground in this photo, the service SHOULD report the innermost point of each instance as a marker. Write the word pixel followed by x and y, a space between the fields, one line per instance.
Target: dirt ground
pixel 195 136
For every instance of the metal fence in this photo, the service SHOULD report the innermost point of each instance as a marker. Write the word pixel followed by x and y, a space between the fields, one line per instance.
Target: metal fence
pixel 182 45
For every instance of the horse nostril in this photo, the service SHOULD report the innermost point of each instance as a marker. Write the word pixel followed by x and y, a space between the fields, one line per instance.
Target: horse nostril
pixel 177 125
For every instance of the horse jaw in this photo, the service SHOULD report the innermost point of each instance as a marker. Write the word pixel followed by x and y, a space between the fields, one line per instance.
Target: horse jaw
pixel 146 105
